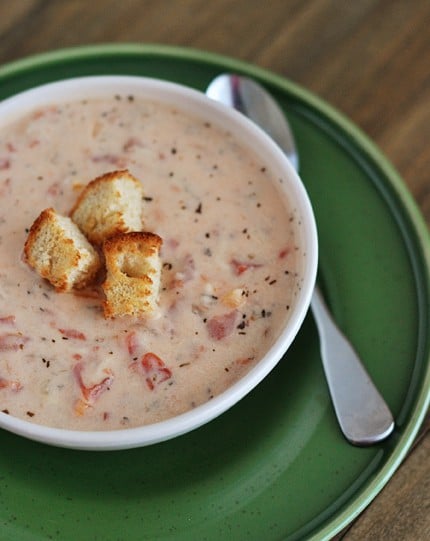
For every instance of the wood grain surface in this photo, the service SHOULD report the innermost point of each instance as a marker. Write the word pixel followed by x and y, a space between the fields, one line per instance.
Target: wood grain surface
pixel 368 58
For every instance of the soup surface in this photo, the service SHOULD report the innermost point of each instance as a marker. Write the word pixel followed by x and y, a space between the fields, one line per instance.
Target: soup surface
pixel 232 266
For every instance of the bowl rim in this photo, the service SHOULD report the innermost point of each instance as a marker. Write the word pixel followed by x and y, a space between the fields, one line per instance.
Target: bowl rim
pixel 71 89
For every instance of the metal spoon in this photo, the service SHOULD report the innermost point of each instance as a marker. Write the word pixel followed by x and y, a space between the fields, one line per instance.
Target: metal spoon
pixel 362 413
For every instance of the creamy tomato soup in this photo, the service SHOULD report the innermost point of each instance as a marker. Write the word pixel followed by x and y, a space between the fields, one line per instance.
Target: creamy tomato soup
pixel 232 266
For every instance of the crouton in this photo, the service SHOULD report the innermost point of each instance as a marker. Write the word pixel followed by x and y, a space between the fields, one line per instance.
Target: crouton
pixel 59 252
pixel 133 274
pixel 108 205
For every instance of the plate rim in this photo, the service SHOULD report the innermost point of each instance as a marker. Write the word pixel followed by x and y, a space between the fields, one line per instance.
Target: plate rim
pixel 339 520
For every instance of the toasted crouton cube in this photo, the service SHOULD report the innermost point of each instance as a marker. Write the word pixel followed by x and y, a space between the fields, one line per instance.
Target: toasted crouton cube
pixel 108 205
pixel 59 252
pixel 133 274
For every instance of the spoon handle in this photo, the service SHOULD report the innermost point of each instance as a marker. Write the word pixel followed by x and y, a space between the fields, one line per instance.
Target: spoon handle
pixel 362 413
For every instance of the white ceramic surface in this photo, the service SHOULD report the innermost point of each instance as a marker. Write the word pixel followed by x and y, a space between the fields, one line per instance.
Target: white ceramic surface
pixel 196 103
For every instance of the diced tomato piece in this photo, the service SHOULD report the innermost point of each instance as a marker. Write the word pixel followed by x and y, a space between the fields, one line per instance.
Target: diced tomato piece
pixel 12 341
pixel 239 267
pixel 7 320
pixel 221 326
pixel 110 159
pixel 92 393
pixel 14 386
pixel 155 370
pixel 284 252
pixel 133 343
pixel 245 361
pixel 73 333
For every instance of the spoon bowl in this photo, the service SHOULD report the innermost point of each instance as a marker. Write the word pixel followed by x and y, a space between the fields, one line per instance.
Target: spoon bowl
pixel 246 96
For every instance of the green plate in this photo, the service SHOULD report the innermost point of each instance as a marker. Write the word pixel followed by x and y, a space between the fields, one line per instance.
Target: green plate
pixel 275 466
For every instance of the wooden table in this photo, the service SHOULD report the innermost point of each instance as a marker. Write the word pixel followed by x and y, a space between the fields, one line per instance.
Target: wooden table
pixel 368 58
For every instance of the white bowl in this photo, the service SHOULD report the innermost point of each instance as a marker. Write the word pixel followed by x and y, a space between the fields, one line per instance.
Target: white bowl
pixel 254 138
